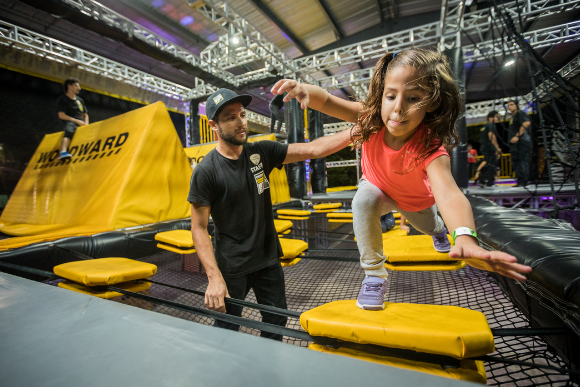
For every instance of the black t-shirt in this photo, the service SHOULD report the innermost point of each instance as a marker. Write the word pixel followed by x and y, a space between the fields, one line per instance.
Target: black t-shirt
pixel 515 124
pixel 74 108
pixel 238 192
pixel 484 140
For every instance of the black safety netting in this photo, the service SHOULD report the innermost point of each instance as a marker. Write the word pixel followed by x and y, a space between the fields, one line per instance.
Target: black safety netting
pixel 311 283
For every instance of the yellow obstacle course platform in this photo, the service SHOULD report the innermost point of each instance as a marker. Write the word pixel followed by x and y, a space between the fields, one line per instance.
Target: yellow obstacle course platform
pixel 126 171
pixel 327 206
pixel 432 329
pixel 279 190
pixel 291 212
pixel 282 225
pixel 346 215
pixel 101 292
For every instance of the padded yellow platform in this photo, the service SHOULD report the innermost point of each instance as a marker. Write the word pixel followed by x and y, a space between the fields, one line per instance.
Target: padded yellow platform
pixel 292 247
pixel 289 262
pixel 323 211
pixel 347 215
pixel 283 211
pixel 282 225
pixel 125 171
pixel 279 190
pixel 105 271
pixel 340 220
pixel 293 217
pixel 327 206
pixel 178 250
pixel 436 329
pixel 426 266
pixel 103 292
pixel 344 188
pixel 178 238
pixel 416 248
pixel 469 370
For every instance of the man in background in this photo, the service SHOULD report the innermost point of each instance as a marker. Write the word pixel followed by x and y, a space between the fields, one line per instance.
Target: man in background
pixel 521 143
pixel 490 149
pixel 72 111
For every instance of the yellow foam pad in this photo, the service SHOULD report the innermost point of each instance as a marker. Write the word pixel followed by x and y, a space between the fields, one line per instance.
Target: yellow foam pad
pixel 344 188
pixel 179 238
pixel 327 206
pixel 282 225
pixel 293 217
pixel 105 271
pixel 293 212
pixel 289 262
pixel 441 330
pixel 426 266
pixel 469 370
pixel 104 293
pixel 175 249
pixel 347 215
pixel 416 248
pixel 397 215
pixel 292 247
pixel 340 220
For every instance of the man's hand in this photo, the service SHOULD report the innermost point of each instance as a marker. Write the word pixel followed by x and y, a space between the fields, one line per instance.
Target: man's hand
pixel 79 122
pixel 214 295
pixel 294 89
pixel 494 261
pixel 514 139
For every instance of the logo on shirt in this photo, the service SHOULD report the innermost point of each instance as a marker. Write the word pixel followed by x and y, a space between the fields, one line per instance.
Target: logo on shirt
pixel 80 105
pixel 217 99
pixel 255 158
pixel 262 182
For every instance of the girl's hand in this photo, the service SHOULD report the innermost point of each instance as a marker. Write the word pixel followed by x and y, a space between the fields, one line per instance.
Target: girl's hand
pixel 494 261
pixel 294 89
pixel 405 228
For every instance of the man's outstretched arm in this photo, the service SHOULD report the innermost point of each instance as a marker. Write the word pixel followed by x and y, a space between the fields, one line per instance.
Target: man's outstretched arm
pixel 318 148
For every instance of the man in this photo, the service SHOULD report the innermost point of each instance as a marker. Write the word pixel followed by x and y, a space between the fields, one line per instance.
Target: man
pixel 73 113
pixel 490 149
pixel 231 183
pixel 471 159
pixel 275 106
pixel 521 143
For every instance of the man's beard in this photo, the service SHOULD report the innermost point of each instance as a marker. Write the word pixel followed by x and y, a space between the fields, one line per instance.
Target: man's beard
pixel 231 137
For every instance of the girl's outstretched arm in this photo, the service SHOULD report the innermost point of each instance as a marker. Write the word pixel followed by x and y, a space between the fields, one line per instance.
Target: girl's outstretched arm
pixel 456 212
pixel 317 98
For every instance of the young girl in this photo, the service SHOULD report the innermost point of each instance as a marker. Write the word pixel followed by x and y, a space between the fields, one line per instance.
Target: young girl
pixel 406 127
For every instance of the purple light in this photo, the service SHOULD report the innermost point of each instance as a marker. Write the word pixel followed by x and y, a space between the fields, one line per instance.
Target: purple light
pixel 212 37
pixel 551 198
pixel 157 3
pixel 544 198
pixel 186 20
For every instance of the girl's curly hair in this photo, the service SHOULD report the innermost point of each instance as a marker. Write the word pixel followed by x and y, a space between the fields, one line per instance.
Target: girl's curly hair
pixel 435 77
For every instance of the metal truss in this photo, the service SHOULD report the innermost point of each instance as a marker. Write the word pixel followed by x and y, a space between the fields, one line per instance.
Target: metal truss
pixel 330 129
pixel 473 23
pixel 344 163
pixel 51 49
pixel 99 12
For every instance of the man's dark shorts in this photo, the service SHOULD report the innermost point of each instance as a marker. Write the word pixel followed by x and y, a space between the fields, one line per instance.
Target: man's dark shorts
pixel 69 129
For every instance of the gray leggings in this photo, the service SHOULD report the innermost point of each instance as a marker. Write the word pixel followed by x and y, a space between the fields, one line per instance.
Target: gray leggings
pixel 368 205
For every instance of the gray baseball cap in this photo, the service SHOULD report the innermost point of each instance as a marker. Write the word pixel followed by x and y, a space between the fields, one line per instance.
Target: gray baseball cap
pixel 221 98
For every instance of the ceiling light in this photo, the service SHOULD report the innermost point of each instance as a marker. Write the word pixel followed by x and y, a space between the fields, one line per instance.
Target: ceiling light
pixel 235 40
pixel 509 63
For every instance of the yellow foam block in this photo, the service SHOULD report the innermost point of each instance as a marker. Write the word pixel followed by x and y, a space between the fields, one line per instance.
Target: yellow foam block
pixel 441 330
pixel 347 215
pixel 469 370
pixel 103 292
pixel 105 271
pixel 416 248
pixel 175 249
pixel 289 262
pixel 397 215
pixel 340 220
pixel 293 212
pixel 292 247
pixel 179 238
pixel 282 225
pixel 426 266
pixel 293 217
pixel 344 188
pixel 327 206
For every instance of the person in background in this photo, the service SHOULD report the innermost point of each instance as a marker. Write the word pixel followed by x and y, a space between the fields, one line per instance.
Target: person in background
pixel 490 150
pixel 72 111
pixel 471 160
pixel 521 143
